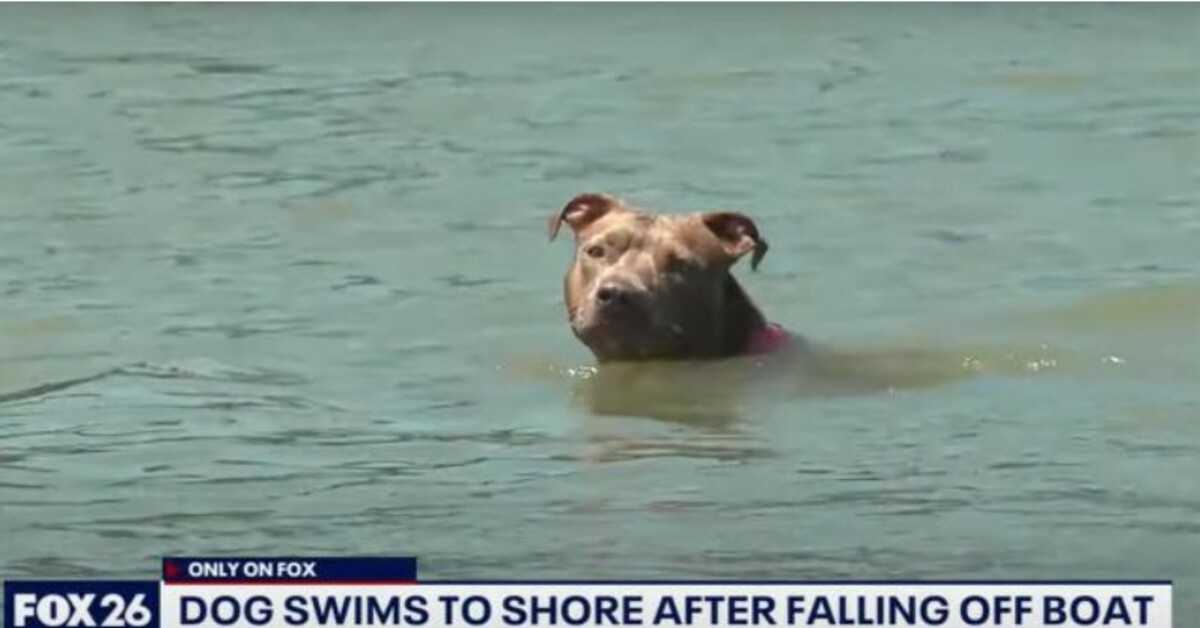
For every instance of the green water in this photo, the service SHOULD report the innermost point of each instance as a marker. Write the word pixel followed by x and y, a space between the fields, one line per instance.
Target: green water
pixel 273 279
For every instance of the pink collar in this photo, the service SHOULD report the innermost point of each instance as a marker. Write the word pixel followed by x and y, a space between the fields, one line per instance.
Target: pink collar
pixel 769 338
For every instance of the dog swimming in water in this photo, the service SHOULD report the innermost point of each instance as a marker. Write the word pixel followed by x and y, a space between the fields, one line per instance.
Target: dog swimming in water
pixel 645 286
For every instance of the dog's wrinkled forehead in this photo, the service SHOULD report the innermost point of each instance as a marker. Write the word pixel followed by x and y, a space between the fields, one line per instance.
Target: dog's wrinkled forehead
pixel 661 238
pixel 714 236
pixel 628 221
pixel 632 223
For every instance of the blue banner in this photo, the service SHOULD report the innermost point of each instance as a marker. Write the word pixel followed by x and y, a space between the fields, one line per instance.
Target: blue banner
pixel 287 570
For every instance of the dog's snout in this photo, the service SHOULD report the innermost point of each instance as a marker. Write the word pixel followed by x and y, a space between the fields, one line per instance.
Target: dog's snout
pixel 612 293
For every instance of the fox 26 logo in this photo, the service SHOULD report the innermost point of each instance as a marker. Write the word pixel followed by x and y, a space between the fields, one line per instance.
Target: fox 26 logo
pixel 79 604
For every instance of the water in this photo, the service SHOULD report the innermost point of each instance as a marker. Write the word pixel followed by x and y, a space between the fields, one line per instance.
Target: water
pixel 295 259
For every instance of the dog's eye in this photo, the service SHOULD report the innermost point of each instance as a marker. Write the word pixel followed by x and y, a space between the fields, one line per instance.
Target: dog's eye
pixel 595 250
pixel 674 263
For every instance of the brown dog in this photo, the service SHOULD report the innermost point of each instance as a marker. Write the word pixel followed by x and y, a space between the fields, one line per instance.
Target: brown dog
pixel 643 286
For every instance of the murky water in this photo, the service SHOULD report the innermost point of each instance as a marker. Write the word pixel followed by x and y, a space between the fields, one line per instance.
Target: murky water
pixel 274 280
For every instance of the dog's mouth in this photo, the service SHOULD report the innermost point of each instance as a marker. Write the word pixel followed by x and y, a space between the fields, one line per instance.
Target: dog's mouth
pixel 602 323
pixel 625 333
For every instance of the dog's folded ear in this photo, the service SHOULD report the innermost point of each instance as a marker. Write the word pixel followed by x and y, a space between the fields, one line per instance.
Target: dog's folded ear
pixel 738 235
pixel 582 211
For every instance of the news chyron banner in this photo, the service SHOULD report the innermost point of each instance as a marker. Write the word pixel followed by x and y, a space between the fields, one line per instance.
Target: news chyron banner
pixel 333 592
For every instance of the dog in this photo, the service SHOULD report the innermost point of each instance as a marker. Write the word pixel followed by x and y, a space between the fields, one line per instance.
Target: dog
pixel 646 286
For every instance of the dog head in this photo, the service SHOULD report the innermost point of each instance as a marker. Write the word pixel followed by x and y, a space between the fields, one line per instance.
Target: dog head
pixel 645 286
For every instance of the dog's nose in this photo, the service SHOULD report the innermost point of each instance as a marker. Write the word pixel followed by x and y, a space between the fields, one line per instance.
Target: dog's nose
pixel 612 294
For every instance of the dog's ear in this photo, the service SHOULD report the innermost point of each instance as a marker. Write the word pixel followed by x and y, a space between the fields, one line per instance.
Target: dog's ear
pixel 737 235
pixel 582 211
